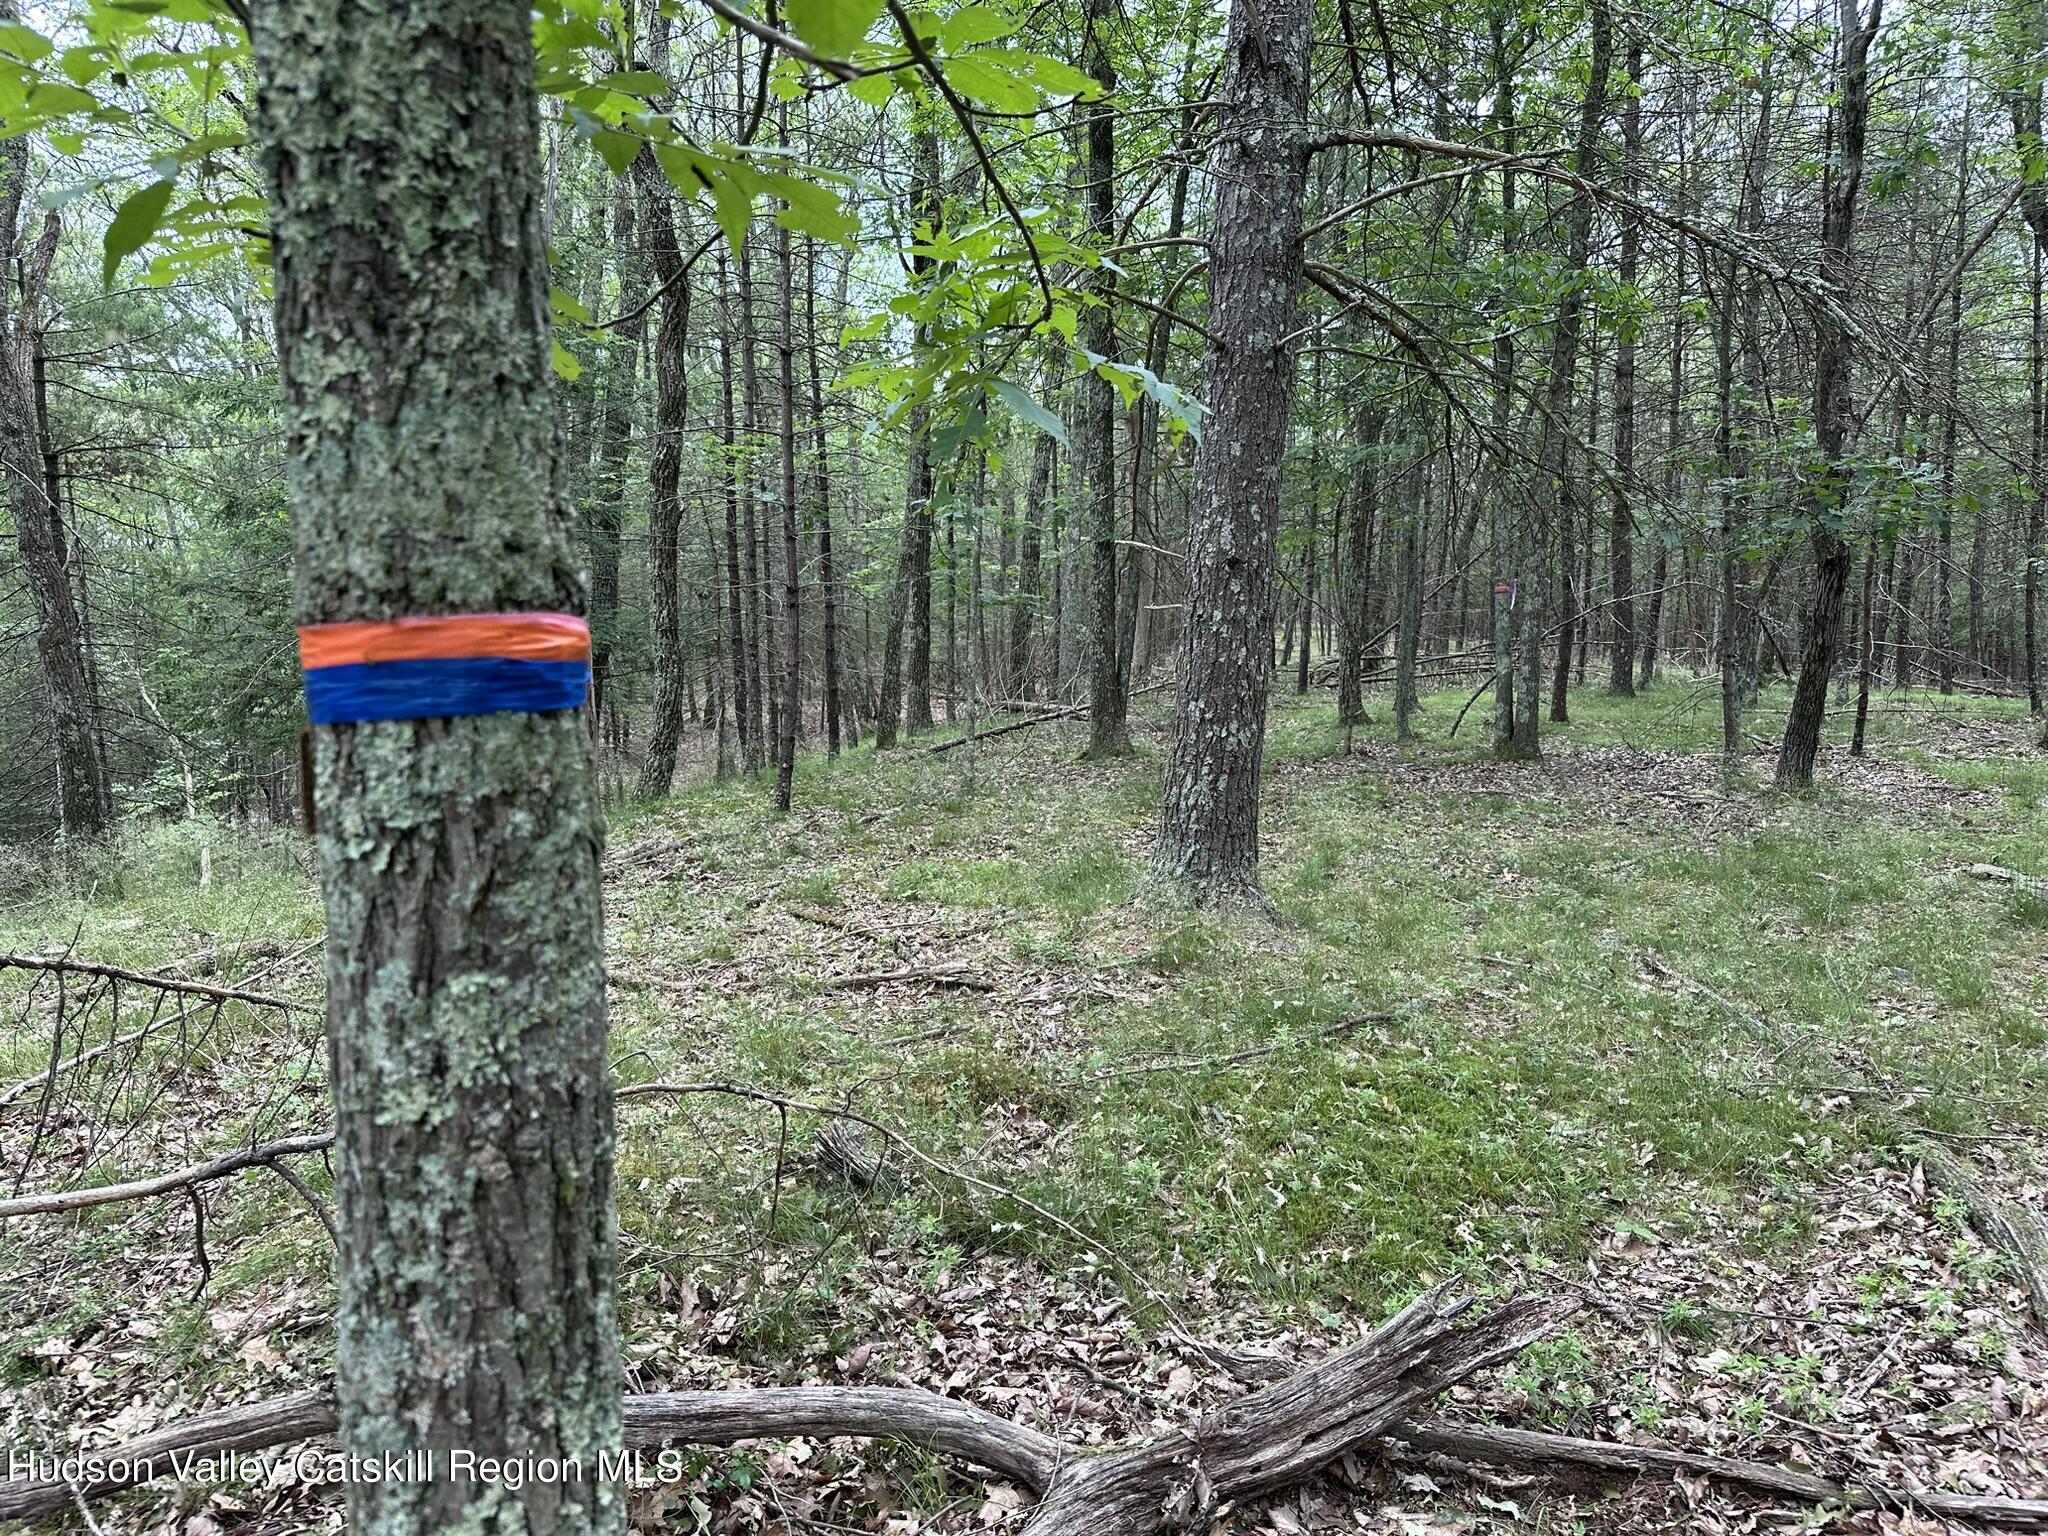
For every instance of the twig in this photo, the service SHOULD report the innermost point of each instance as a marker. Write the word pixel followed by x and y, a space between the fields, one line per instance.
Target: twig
pixel 937 976
pixel 146 979
pixel 199 1240
pixel 305 1192
pixel 164 1183
pixel 1206 1063
pixel 1068 713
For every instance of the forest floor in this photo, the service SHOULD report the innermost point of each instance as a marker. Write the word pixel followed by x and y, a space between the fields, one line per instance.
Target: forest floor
pixel 1596 1027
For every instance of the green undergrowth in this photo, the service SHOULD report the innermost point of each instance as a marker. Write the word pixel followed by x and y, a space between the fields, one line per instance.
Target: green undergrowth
pixel 1505 1009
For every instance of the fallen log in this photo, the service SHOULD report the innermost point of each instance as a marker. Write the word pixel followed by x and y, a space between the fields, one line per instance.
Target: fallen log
pixel 2032 884
pixel 1258 1444
pixel 1046 717
pixel 2015 1230
pixel 1519 1447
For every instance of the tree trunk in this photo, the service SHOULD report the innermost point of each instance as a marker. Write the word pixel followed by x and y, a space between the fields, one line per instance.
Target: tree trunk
pixel 754 741
pixel 1944 613
pixel 1865 647
pixel 1030 569
pixel 1107 735
pixel 1555 447
pixel 821 470
pixel 910 600
pixel 1357 583
pixel 1510 541
pixel 1621 526
pixel 604 518
pixel 85 805
pixel 792 629
pixel 665 465
pixel 1308 580
pixel 1408 644
pixel 1732 642
pixel 459 856
pixel 1833 409
pixel 1209 826
pixel 736 619
pixel 2037 489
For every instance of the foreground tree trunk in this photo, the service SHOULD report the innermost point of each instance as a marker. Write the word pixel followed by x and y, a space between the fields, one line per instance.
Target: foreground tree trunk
pixel 1209 827
pixel 1508 538
pixel 459 856
pixel 1833 410
pixel 85 806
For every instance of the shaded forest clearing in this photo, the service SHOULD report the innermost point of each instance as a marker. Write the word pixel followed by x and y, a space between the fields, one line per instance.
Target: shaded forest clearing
pixel 1591 1028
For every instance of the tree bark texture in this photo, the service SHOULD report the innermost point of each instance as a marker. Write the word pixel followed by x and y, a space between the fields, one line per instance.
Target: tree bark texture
pixel 459 857
pixel 1209 827
pixel 1833 409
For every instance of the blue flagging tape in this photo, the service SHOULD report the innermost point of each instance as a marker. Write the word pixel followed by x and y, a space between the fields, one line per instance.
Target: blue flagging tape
pixel 425 689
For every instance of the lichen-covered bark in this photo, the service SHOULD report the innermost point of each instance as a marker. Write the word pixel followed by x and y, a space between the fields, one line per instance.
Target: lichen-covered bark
pixel 459 857
pixel 1209 826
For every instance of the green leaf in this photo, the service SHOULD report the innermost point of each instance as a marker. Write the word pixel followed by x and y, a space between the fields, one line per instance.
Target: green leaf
pixel 566 366
pixel 974 24
pixel 618 149
pixel 637 82
pixel 833 27
pixel 989 79
pixel 52 98
pixel 875 90
pixel 24 43
pixel 1052 76
pixel 1029 410
pixel 133 223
